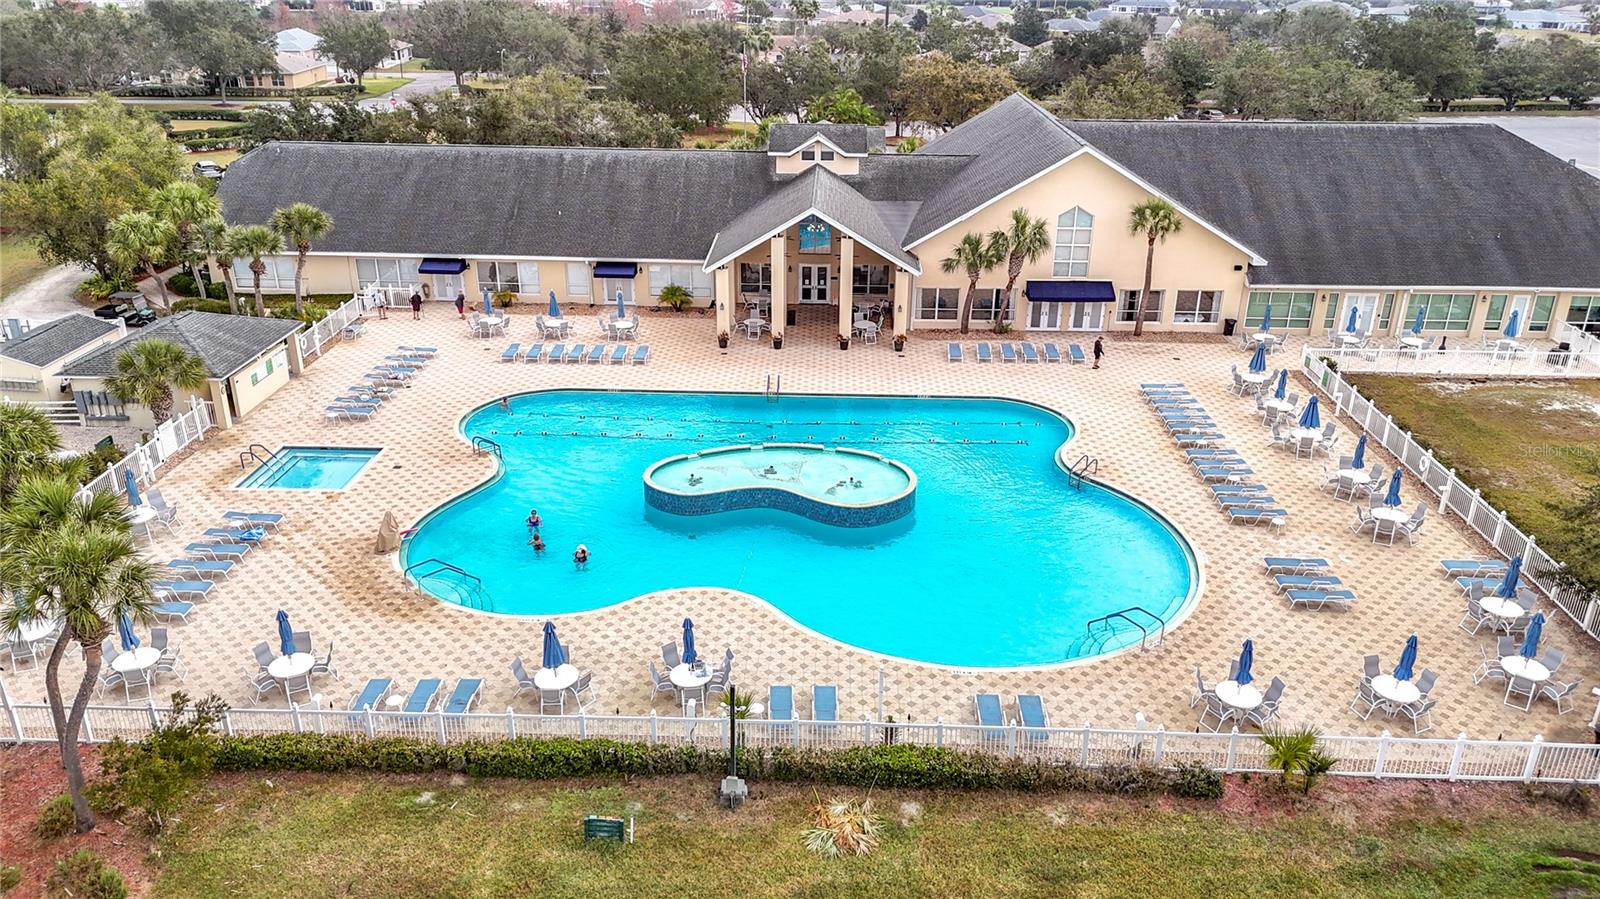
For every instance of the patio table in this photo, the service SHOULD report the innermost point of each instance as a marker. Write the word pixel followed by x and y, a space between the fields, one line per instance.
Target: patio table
pixel 136 659
pixel 1527 669
pixel 1506 610
pixel 141 517
pixel 1401 692
pixel 1239 697
pixel 292 665
pixel 1263 337
pixel 1254 377
pixel 1412 342
pixel 556 678
pixel 1351 339
pixel 1280 406
pixel 34 629
pixel 624 327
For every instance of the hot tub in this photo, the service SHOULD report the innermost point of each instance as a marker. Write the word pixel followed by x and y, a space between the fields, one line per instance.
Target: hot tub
pixel 835 486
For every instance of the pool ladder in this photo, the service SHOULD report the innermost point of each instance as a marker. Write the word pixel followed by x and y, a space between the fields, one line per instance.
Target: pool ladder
pixel 485 446
pixel 1085 465
pixel 468 591
pixel 1089 644
pixel 774 387
pixel 249 453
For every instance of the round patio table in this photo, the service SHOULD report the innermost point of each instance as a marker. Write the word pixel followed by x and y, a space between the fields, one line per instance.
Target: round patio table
pixel 687 677
pixel 1412 342
pixel 1278 405
pixel 556 678
pixel 1504 609
pixel 1356 476
pixel 1390 514
pixel 1402 692
pixel 1527 669
pixel 1263 337
pixel 1239 697
pixel 136 659
pixel 35 629
pixel 140 517
pixel 293 665
pixel 1306 433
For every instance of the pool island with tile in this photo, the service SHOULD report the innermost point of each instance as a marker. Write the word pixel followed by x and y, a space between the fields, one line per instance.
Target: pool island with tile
pixel 836 486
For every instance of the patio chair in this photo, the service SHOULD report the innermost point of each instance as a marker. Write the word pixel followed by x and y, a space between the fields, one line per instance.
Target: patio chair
pixel 1029 354
pixel 1414 524
pixel 1367 700
pixel 824 702
pixel 952 352
pixel 463 696
pixel 423 695
pixel 523 678
pixel 264 654
pixel 108 678
pixel 1278 437
pixel 172 663
pixel 662 682
pixel 218 550
pixel 269 520
pixel 1552 659
pixel 618 355
pixel 138 677
pixel 596 353
pixel 575 353
pixel 669 655
pixel 324 665
pixel 425 351
pixel 1268 709
pixel 1200 688
pixel 1474 617
pixel 1213 708
pixel 1051 353
pixel 371 694
pixel 158 638
pixel 1559 693
pixel 261 683
pixel 1426 680
pixel 166 513
pixel 1305 448
pixel 1328 441
pixel 1520 687
pixel 1417 711
pixel 1288 582
pixel 780 702
pixel 1472 567
pixel 583 691
pixel 557 352
pixel 302 641
pixel 1030 711
pixel 1317 599
pixel 1370 667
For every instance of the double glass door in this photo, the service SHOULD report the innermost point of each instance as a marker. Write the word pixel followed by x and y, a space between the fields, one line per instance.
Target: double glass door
pixel 813 284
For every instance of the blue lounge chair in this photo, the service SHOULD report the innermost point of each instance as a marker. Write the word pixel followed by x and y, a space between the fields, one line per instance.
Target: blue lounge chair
pixel 1306 581
pixel 182 588
pixel 534 354
pixel 1008 353
pixel 218 550
pixel 236 535
pixel 1467 583
pixel 556 352
pixel 1075 353
pixel 1294 564
pixel 575 353
pixel 465 694
pixel 641 354
pixel 173 608
pixel 1030 709
pixel 984 354
pixel 372 393
pixel 990 715
pixel 1029 354
pixel 1255 515
pixel 825 702
pixel 619 353
pixel 413 359
pixel 1472 567
pixel 1245 501
pixel 356 402
pixel 1051 354
pixel 1196 438
pixel 370 694
pixel 383 377
pixel 596 353
pixel 1238 488
pixel 423 695
pixel 780 702
pixel 1316 599
pixel 1160 385
pixel 223 567
pixel 420 350
pixel 952 352
pixel 342 412
pixel 511 353
pixel 257 519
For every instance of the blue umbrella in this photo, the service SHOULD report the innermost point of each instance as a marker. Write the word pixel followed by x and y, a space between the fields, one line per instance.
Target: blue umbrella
pixel 1422 314
pixel 285 634
pixel 125 631
pixel 1350 326
pixel 1408 658
pixel 1359 460
pixel 132 485
pixel 688 642
pixel 555 308
pixel 1258 362
pixel 1393 497
pixel 1508 587
pixel 1266 320
pixel 1283 384
pixel 488 302
pixel 622 308
pixel 1310 418
pixel 1530 644
pixel 1512 323
pixel 1246 656
pixel 554 654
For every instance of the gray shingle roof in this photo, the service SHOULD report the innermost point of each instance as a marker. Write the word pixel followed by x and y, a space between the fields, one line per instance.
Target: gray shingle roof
pixel 225 343
pixel 817 190
pixel 785 137
pixel 49 342
pixel 1375 204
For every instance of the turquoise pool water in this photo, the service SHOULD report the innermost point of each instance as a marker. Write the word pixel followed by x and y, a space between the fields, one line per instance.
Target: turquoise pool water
pixel 311 468
pixel 1002 563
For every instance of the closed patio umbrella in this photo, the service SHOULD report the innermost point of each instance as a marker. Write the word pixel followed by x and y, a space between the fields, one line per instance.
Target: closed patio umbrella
pixel 554 655
pixel 1422 315
pixel 1530 644
pixel 1359 460
pixel 1309 418
pixel 125 633
pixel 1513 324
pixel 1392 498
pixel 132 485
pixel 688 642
pixel 285 634
pixel 1408 659
pixel 1283 385
pixel 1266 320
pixel 555 308
pixel 488 302
pixel 1350 326
pixel 1246 657
pixel 1258 360
pixel 1508 586
pixel 622 308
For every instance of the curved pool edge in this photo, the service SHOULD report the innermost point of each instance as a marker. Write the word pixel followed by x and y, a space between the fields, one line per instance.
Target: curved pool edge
pixel 778 497
pixel 1192 553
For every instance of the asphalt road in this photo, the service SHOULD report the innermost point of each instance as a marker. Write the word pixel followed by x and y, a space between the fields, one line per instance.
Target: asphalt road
pixel 1564 136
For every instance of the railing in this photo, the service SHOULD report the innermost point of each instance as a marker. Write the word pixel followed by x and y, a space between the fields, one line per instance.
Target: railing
pixel 485 446
pixel 1385 756
pixel 468 592
pixel 61 412
pixel 16 328
pixel 1127 615
pixel 774 387
pixel 1081 468
pixel 314 338
pixel 148 459
pixel 1582 360
pixel 250 453
pixel 1454 493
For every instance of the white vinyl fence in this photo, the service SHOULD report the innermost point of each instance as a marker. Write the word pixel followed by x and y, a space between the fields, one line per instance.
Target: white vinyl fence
pixel 314 338
pixel 1454 494
pixel 149 459
pixel 1581 360
pixel 1382 756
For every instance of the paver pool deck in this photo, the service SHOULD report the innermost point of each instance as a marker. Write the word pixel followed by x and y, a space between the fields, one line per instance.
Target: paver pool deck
pixel 322 568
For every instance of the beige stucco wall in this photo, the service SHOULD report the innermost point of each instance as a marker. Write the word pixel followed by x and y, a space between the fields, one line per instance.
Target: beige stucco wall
pixel 139 416
pixel 1337 297
pixel 48 389
pixel 838 283
pixel 792 164
pixel 255 382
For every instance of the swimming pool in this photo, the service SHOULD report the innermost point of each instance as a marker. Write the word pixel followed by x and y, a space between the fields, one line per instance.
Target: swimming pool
pixel 1002 564
pixel 310 468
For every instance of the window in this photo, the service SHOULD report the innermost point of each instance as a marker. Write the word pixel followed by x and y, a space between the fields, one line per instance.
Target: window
pixel 1197 307
pixel 1584 314
pixel 1128 309
pixel 1073 231
pixel 577 279
pixel 1543 305
pixel 939 303
pixel 517 277
pixel 278 276
pixel 985 304
pixel 1445 311
pixel 277 81
pixel 755 277
pixel 816 236
pixel 689 277
pixel 827 155
pixel 1497 313
pixel 808 154
pixel 1290 309
pixel 1388 312
pixel 870 281
pixel 1328 320
pixel 388 272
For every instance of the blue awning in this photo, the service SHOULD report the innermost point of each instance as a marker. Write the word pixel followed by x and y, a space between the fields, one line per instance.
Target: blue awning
pixel 616 269
pixel 1070 292
pixel 442 266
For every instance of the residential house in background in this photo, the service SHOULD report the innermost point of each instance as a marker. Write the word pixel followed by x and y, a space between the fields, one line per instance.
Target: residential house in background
pixel 1070 26
pixel 1545 20
pixel 30 365
pixel 1144 7
pixel 293 71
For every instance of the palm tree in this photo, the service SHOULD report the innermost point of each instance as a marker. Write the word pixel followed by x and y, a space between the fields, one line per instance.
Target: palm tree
pixel 1021 244
pixel 253 242
pixel 28 442
pixel 803 12
pixel 185 205
pixel 299 225
pixel 70 559
pixel 1155 219
pixel 138 240
pixel 212 237
pixel 973 256
pixel 148 371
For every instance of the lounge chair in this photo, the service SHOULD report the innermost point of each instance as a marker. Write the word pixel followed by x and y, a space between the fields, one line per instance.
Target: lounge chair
pixel 990 715
pixel 1472 567
pixel 825 702
pixel 1306 581
pixel 1245 501
pixel 371 694
pixel 1029 354
pixel 339 413
pixel 1294 564
pixel 218 550
pixel 984 353
pixel 171 609
pixel 619 354
pixel 557 351
pixel 423 695
pixel 1316 599
pixel 463 696
pixel 596 353
pixel 641 354
pixel 1008 353
pixel 272 520
pixel 780 702
pixel 952 352
pixel 1075 353
pixel 1256 515
pixel 1051 354
pixel 1238 488
pixel 575 353
pixel 1162 385
pixel 236 535
pixel 420 350
pixel 1030 710
pixel 534 354
pixel 203 566
pixel 1468 583
pixel 511 353
pixel 412 359
pixel 183 588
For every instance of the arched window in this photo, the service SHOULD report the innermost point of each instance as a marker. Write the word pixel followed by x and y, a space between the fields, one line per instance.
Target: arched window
pixel 1074 229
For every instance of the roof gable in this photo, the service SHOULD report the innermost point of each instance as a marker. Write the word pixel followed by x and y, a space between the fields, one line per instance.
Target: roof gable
pixel 53 340
pixel 784 138
pixel 818 192
pixel 225 343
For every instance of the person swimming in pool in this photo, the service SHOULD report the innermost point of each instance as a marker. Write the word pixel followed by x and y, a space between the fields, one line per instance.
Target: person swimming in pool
pixel 538 544
pixel 534 521
pixel 580 557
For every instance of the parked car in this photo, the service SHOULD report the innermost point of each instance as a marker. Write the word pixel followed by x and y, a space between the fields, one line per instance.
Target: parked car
pixel 205 168
pixel 128 305
pixel 1211 115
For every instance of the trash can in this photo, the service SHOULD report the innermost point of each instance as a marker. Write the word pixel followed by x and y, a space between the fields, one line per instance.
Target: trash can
pixel 790 318
pixel 1228 324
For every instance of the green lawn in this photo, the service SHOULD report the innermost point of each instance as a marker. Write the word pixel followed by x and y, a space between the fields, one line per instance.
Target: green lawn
pixel 220 157
pixel 314 835
pixel 1520 442
pixel 377 87
pixel 19 263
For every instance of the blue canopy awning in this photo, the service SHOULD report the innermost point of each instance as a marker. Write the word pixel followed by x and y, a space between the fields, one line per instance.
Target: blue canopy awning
pixel 616 269
pixel 1070 292
pixel 442 266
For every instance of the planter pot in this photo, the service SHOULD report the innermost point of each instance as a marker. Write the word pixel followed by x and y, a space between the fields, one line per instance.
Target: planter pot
pixel 722 342
pixel 899 346
pixel 844 344
pixel 777 342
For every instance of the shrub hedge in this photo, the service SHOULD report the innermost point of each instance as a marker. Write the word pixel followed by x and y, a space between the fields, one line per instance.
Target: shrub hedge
pixel 919 767
pixel 213 131
pixel 181 91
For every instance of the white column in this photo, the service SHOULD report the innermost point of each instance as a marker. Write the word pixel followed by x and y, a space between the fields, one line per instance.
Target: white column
pixel 902 302
pixel 780 285
pixel 847 261
pixel 722 293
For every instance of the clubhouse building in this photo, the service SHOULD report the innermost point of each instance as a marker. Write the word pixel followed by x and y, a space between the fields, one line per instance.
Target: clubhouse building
pixel 1466 222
